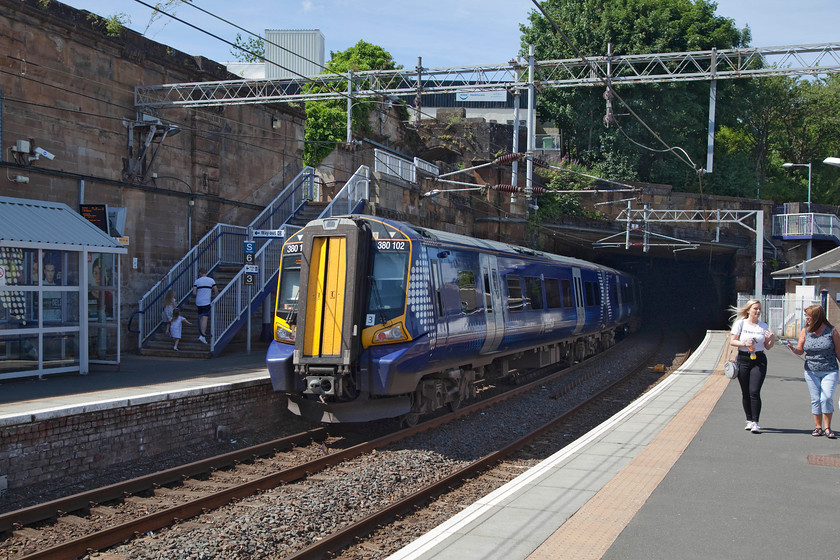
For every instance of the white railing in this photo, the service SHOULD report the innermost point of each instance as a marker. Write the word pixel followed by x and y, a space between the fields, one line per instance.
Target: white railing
pixel 232 302
pixel 807 225
pixel 784 314
pixel 390 164
pixel 425 166
pixel 222 245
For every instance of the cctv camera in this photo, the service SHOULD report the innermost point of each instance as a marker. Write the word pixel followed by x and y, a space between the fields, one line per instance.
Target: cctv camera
pixel 45 153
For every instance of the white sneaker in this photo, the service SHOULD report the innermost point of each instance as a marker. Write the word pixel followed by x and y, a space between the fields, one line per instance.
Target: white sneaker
pixel 749 425
pixel 202 339
pixel 755 429
pixel 174 347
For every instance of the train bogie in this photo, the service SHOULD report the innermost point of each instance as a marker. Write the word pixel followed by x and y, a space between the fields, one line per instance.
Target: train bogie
pixel 378 319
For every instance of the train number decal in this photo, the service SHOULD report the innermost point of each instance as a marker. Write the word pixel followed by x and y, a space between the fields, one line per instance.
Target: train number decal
pixel 391 245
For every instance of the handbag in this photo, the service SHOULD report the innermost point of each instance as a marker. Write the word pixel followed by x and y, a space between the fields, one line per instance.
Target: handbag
pixel 730 370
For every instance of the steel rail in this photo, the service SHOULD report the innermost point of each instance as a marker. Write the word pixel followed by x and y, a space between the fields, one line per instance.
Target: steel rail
pixel 84 500
pixel 331 544
pixel 115 535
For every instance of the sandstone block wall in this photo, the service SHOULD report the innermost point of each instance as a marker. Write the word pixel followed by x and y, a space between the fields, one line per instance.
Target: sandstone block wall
pixel 69 446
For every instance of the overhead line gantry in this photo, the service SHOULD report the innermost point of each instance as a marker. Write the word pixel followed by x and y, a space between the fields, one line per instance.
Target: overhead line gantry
pixel 630 69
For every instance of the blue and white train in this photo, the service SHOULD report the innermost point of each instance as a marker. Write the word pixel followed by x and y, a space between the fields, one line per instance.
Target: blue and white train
pixel 379 319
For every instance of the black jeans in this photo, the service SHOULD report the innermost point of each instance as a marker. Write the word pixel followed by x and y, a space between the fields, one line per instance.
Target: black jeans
pixel 751 374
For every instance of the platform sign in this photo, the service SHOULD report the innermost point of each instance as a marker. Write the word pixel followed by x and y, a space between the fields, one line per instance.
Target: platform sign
pixel 270 232
pixel 251 269
pixel 250 279
pixel 97 214
pixel 249 248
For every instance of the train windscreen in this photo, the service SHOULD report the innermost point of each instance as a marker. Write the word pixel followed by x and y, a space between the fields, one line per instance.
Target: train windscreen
pixel 287 300
pixel 388 281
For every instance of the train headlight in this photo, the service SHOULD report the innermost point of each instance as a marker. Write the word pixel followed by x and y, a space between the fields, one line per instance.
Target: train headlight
pixel 284 332
pixel 393 333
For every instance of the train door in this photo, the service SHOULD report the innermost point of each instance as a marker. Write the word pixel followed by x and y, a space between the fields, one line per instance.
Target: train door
pixel 606 299
pixel 325 297
pixel 441 324
pixel 494 323
pixel 580 302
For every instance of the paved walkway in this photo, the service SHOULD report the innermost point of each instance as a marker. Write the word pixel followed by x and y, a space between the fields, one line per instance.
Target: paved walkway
pixel 673 476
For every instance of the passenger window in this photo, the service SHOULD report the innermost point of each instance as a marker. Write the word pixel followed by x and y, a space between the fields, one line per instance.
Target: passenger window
pixel 515 301
pixel 589 293
pixel 533 287
pixel 552 293
pixel 488 298
pixel 567 294
pixel 466 289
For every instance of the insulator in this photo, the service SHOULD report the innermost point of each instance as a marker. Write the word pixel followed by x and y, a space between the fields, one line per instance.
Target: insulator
pixel 507 158
pixel 539 190
pixel 539 162
pixel 507 188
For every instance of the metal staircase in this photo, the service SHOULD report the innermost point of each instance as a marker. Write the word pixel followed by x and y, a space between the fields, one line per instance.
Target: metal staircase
pixel 221 250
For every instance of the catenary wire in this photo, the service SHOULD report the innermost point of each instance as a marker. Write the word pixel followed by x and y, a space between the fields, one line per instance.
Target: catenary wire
pixel 612 91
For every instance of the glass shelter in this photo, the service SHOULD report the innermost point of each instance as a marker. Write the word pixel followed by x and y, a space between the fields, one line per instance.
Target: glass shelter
pixel 59 290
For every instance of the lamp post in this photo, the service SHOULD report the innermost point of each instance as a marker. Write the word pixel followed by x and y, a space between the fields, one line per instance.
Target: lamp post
pixel 808 165
pixel 832 161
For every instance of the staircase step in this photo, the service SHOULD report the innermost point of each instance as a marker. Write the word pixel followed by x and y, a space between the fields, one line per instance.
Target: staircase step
pixel 180 353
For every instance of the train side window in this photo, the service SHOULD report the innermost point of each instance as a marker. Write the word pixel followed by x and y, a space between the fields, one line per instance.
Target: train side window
pixel 589 293
pixel 436 280
pixel 515 301
pixel 568 301
pixel 467 291
pixel 553 299
pixel 533 287
pixel 488 298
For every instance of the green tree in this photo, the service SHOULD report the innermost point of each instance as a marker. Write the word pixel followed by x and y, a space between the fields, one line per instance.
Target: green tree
pixel 677 112
pixel 326 120
pixel 250 50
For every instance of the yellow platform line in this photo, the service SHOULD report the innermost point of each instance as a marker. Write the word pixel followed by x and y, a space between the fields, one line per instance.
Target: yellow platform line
pixel 590 532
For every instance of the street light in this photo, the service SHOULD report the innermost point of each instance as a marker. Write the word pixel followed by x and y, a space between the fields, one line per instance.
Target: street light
pixel 832 161
pixel 808 165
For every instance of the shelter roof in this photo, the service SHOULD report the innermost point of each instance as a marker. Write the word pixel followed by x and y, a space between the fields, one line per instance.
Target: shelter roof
pixel 36 221
pixel 826 263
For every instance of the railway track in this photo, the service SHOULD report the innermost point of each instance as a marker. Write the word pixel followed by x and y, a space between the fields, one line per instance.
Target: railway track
pixel 167 505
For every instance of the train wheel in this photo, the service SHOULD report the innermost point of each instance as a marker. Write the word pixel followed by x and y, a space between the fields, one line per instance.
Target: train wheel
pixel 410 420
pixel 455 404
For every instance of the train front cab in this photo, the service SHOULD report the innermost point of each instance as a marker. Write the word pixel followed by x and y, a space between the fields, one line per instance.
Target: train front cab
pixel 341 308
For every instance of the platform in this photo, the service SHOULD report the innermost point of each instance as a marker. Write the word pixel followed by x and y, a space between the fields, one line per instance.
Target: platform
pixel 672 476
pixel 137 377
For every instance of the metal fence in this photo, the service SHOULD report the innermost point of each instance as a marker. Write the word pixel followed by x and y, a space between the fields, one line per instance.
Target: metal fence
pixel 785 314
pixel 233 301
pixel 826 226
pixel 221 245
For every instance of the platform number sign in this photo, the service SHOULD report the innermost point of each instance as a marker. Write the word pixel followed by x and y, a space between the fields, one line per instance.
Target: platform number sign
pixel 251 270
pixel 250 248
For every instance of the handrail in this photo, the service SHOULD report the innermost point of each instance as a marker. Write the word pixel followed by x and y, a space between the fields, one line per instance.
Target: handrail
pixel 220 245
pixel 233 301
pixel 807 225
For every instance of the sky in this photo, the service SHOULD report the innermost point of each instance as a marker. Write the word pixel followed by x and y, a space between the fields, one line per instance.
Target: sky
pixel 444 33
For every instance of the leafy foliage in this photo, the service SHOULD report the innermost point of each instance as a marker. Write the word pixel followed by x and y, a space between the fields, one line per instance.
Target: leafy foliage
pixel 676 111
pixel 250 50
pixel 326 120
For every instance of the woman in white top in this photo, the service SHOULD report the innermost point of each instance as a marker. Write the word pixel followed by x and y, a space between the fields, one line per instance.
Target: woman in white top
pixel 751 337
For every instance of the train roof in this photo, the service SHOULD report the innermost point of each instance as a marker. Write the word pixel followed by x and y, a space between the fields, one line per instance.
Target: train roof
pixel 414 231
